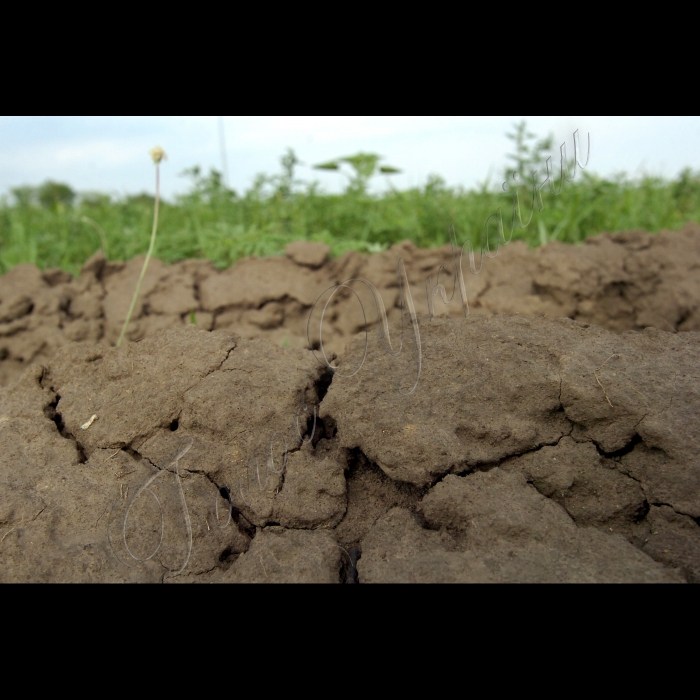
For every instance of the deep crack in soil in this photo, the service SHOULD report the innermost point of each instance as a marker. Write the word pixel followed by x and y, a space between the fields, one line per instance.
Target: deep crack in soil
pixel 523 455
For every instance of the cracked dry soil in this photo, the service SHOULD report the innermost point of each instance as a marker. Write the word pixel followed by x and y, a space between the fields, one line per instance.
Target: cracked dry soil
pixel 533 450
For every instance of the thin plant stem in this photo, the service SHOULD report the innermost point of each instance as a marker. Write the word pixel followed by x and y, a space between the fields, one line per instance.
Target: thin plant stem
pixel 100 231
pixel 148 257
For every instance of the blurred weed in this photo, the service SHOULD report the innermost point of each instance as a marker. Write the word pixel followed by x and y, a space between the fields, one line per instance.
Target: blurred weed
pixel 215 222
pixel 100 231
pixel 55 195
pixel 527 156
pixel 364 166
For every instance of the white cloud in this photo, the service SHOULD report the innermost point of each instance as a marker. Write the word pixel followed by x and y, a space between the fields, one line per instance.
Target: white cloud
pixel 107 153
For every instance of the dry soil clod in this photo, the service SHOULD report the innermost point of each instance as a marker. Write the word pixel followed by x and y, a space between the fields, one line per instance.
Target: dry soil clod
pixel 504 465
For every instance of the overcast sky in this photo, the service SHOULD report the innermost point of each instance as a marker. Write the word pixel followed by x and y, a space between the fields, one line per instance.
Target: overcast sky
pixel 110 154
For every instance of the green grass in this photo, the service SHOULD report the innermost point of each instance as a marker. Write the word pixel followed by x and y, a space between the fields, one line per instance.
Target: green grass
pixel 215 223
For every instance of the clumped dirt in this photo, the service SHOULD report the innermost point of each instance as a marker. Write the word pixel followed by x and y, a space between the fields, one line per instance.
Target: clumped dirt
pixel 626 281
pixel 553 434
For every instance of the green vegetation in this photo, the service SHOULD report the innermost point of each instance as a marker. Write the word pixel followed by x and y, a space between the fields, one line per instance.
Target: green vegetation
pixel 364 166
pixel 52 226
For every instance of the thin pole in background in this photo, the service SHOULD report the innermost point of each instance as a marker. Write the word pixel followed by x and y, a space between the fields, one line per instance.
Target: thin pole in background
pixel 222 146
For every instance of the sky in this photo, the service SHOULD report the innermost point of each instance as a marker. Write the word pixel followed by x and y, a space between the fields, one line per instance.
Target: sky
pixel 110 154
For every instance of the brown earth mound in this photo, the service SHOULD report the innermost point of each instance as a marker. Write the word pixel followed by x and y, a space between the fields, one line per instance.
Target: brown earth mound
pixel 532 449
pixel 626 281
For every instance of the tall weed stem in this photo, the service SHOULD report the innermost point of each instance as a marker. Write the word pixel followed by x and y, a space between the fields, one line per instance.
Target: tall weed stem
pixel 157 154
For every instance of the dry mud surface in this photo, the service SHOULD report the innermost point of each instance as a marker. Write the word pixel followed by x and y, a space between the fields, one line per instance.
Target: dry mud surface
pixel 554 434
